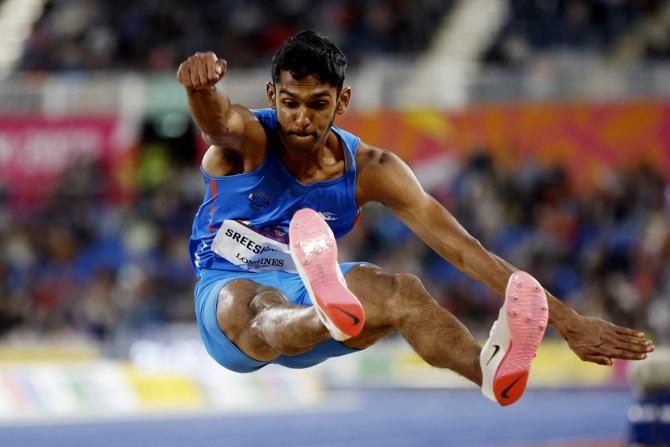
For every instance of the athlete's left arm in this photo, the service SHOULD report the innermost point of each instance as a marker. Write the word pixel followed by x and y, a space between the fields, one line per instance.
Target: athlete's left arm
pixel 383 177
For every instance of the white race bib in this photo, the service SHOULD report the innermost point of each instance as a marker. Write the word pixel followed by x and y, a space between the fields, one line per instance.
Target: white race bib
pixel 250 250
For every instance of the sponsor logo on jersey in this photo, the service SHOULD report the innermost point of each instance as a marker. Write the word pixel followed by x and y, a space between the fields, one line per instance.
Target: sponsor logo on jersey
pixel 259 200
pixel 327 215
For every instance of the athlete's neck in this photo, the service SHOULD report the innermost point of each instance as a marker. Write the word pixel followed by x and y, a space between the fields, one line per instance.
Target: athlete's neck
pixel 323 163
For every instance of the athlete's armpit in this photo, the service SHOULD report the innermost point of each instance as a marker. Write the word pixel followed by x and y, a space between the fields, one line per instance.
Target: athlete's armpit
pixel 236 154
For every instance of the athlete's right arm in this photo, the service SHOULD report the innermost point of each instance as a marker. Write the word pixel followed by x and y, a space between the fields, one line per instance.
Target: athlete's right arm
pixel 222 124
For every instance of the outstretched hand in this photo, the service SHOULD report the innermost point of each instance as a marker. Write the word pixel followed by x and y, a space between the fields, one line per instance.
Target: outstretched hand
pixel 598 341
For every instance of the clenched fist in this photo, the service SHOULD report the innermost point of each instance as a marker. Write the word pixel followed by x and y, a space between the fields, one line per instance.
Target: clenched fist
pixel 201 71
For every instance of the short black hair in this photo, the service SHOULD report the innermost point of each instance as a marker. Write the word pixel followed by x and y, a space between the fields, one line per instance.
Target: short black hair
pixel 309 53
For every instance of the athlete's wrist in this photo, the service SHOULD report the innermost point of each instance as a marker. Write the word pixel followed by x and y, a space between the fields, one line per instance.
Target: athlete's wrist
pixel 560 314
pixel 201 90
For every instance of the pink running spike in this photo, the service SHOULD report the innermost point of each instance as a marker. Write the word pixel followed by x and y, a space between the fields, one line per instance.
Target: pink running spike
pixel 511 376
pixel 316 262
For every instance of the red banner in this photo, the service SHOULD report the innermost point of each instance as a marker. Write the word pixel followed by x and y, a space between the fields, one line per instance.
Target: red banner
pixel 34 151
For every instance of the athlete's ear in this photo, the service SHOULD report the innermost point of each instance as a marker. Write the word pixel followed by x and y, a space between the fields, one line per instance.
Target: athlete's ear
pixel 343 100
pixel 272 94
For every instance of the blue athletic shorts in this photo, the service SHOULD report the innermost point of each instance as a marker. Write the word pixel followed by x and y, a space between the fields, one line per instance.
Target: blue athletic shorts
pixel 224 351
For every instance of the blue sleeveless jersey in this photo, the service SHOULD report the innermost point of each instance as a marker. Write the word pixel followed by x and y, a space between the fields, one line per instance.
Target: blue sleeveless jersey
pixel 266 198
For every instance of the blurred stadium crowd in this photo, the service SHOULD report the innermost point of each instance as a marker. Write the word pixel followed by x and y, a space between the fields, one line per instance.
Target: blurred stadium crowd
pixel 157 35
pixel 539 27
pixel 152 35
pixel 81 263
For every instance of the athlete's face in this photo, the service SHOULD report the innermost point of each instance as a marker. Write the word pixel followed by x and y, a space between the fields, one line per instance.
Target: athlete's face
pixel 306 109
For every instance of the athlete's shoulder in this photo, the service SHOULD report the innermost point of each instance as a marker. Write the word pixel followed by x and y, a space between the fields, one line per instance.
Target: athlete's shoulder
pixel 373 158
pixel 380 173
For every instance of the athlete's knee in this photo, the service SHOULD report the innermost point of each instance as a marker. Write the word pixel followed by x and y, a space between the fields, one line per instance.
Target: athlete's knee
pixel 409 287
pixel 370 283
pixel 233 312
pixel 409 297
pixel 235 316
pixel 387 298
pixel 264 298
pixel 281 324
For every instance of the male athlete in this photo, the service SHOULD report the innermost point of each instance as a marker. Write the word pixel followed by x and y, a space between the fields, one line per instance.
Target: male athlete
pixel 282 183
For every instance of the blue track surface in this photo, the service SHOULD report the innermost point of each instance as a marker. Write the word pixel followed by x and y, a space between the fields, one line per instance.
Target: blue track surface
pixel 389 418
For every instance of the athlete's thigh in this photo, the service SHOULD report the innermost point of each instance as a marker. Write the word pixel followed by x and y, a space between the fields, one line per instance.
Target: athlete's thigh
pixel 235 315
pixel 376 290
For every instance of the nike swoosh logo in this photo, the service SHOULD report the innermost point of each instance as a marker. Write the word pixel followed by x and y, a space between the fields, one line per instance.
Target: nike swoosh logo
pixel 353 317
pixel 506 390
pixel 497 347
